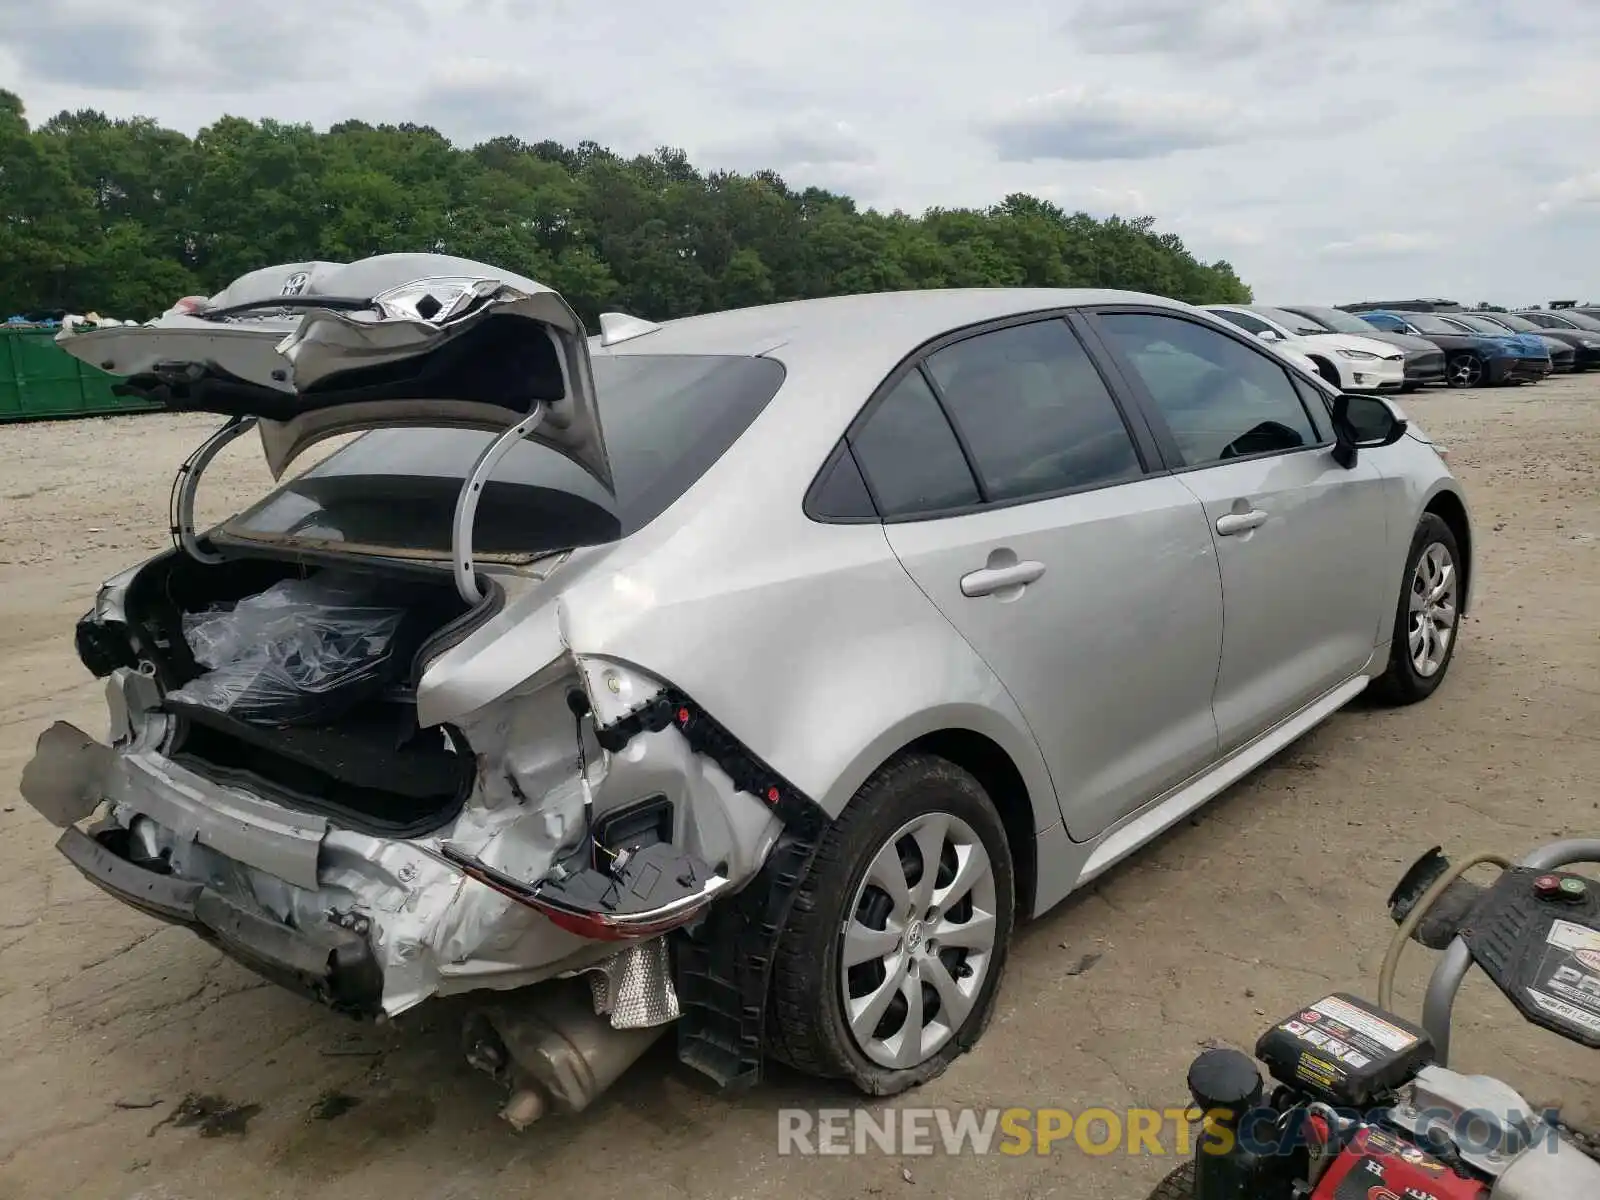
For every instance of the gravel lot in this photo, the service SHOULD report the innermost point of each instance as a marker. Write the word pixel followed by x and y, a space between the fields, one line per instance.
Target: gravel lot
pixel 108 1019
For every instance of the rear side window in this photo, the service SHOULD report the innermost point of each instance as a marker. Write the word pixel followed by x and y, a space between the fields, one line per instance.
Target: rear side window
pixel 909 454
pixel 1036 415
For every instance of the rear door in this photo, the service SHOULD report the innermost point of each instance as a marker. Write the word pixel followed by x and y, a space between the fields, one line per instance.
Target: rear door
pixel 1299 538
pixel 1017 496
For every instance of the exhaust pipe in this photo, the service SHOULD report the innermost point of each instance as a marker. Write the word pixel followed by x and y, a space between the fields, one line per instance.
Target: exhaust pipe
pixel 554 1052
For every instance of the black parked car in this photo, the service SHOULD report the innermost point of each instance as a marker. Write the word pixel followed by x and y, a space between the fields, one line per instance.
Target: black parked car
pixel 1584 343
pixel 1563 357
pixel 1424 361
pixel 1563 318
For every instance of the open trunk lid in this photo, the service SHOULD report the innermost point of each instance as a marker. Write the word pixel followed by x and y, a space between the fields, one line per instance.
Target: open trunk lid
pixel 308 351
pixel 313 350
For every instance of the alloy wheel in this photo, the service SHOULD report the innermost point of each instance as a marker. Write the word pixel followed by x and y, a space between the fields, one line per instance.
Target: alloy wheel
pixel 918 940
pixel 1465 371
pixel 1432 609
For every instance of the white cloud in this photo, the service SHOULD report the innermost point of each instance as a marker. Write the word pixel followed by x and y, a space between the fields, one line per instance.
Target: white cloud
pixel 1578 192
pixel 1328 148
pixel 1089 124
pixel 1382 244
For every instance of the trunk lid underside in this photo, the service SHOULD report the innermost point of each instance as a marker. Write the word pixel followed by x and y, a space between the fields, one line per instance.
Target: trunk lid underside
pixel 303 352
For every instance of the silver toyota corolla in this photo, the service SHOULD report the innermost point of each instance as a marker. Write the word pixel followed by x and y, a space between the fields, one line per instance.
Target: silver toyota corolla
pixel 761 668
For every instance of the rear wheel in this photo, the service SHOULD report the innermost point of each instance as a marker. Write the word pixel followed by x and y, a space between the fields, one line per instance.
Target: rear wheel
pixel 1465 371
pixel 1427 618
pixel 893 953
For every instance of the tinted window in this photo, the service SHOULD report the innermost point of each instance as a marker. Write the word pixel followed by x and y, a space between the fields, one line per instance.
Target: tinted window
pixel 1035 413
pixel 1429 323
pixel 1295 323
pixel 1243 320
pixel 667 419
pixel 1335 319
pixel 1221 399
pixel 1517 323
pixel 841 494
pixel 910 456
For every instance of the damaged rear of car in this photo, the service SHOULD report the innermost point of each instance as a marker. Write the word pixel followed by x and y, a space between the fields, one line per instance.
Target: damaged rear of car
pixel 355 737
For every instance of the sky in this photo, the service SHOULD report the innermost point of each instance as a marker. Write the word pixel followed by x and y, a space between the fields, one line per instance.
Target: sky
pixel 1331 150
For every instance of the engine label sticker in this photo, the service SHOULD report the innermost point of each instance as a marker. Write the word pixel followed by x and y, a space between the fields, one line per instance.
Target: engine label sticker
pixel 1567 986
pixel 1390 1037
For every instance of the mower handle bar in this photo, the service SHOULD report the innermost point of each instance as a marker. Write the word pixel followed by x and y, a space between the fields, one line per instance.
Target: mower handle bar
pixel 1446 980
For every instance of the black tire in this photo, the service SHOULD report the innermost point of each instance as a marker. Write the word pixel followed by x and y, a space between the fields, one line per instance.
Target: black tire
pixel 1178 1185
pixel 1401 682
pixel 807 1027
pixel 1326 369
pixel 1470 368
pixel 1408 387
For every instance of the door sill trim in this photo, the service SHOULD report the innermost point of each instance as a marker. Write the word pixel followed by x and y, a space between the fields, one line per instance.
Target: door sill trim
pixel 1162 814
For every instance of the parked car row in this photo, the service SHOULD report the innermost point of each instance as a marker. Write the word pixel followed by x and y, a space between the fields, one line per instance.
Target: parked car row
pixel 1369 348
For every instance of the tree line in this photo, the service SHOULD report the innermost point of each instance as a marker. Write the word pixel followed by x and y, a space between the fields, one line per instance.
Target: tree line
pixel 122 217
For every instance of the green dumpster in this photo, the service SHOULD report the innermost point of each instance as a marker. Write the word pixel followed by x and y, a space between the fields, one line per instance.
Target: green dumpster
pixel 40 381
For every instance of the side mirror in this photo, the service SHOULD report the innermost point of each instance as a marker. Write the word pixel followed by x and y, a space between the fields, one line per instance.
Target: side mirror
pixel 1364 423
pixel 1267 335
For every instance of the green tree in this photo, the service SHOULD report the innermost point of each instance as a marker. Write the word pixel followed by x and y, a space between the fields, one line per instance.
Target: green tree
pixel 124 217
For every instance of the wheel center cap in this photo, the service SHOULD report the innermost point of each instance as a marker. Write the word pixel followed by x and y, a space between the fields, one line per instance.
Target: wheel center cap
pixel 914 936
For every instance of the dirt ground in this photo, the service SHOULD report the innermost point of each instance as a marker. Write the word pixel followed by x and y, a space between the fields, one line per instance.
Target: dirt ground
pixel 1273 895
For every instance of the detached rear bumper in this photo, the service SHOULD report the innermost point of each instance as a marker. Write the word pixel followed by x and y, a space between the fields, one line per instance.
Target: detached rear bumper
pixel 332 966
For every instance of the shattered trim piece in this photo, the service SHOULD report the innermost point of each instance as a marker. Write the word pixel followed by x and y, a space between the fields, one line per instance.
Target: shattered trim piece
pixel 724 965
pixel 707 736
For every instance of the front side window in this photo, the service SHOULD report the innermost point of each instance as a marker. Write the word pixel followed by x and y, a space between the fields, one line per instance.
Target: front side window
pixel 909 455
pixel 1037 418
pixel 1221 400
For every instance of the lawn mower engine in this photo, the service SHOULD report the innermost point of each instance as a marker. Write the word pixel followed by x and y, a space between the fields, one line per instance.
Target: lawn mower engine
pixel 1364 1105
pixel 1322 1134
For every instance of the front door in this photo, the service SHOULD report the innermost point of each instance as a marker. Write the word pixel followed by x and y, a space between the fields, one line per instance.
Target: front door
pixel 1299 538
pixel 1089 586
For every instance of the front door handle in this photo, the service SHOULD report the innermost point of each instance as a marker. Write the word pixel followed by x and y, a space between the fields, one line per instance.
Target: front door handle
pixel 998 579
pixel 1233 523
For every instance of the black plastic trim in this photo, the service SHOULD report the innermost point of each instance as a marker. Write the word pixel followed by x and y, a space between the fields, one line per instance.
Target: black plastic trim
pixel 722 966
pixel 334 966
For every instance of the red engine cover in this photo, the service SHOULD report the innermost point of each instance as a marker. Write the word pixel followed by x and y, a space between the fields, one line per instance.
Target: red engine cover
pixel 1380 1166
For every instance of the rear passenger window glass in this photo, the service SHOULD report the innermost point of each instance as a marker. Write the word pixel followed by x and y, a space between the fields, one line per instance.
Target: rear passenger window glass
pixel 1221 400
pixel 841 493
pixel 910 456
pixel 1035 413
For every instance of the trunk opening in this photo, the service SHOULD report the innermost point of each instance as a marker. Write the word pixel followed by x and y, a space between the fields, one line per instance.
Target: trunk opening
pixel 364 762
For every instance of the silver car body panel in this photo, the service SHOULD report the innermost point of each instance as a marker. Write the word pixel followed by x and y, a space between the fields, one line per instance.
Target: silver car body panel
pixel 827 648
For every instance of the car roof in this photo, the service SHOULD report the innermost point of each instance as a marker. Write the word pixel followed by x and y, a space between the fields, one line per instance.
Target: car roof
pixel 872 323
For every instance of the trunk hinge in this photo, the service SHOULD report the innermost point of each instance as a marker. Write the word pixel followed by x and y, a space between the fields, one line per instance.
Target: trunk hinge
pixel 467 502
pixel 180 510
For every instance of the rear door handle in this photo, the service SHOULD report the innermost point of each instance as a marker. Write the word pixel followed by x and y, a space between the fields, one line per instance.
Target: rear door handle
pixel 1233 523
pixel 997 579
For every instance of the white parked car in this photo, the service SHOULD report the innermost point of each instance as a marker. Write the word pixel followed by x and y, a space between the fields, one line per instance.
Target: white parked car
pixel 1350 362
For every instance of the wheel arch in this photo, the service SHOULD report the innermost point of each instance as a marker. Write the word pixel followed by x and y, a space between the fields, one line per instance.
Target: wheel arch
pixel 1448 506
pixel 1327 367
pixel 987 762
